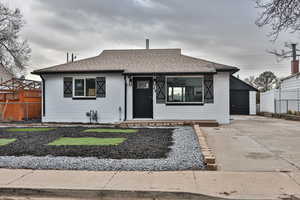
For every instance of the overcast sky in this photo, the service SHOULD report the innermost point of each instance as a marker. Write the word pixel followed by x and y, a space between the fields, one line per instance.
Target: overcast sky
pixel 223 31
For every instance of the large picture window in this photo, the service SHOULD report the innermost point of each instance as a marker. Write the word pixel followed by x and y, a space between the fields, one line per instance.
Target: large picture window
pixel 85 87
pixel 184 90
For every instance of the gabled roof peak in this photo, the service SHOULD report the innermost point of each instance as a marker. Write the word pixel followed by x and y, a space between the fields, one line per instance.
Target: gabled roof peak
pixel 175 51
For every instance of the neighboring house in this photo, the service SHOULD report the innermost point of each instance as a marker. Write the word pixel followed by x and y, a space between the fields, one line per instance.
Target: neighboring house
pixel 242 97
pixel 5 74
pixel 286 97
pixel 117 85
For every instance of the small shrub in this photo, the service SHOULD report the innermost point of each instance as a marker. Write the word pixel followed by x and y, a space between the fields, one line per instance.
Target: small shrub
pixel 290 112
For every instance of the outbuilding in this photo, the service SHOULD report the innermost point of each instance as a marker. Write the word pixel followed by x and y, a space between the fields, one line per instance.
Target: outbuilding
pixel 242 97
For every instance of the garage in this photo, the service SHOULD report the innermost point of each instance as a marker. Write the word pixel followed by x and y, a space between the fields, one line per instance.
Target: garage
pixel 242 97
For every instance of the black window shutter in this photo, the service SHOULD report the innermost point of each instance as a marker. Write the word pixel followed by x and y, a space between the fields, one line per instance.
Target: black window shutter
pixel 160 89
pixel 68 87
pixel 208 89
pixel 101 86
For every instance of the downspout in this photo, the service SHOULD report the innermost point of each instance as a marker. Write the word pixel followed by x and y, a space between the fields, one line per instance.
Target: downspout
pixel 125 98
pixel 43 84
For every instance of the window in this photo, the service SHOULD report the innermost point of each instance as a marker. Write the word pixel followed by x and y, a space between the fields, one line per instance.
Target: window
pixel 79 87
pixel 184 90
pixel 142 85
pixel 85 87
pixel 90 87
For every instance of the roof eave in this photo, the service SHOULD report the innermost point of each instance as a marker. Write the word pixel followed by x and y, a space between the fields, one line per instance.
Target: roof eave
pixel 76 72
pixel 290 76
pixel 233 70
pixel 165 73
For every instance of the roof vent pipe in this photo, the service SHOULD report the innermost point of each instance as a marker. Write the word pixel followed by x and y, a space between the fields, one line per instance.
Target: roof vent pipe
pixel 147 43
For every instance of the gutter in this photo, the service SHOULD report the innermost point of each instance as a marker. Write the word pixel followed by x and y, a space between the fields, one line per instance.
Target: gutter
pixel 125 98
pixel 76 72
pixel 43 84
pixel 166 73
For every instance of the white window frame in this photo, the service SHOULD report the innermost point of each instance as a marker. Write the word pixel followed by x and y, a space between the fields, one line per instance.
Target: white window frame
pixel 183 103
pixel 84 87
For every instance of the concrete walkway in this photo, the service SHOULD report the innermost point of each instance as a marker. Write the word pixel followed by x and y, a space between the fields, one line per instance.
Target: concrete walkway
pixel 234 185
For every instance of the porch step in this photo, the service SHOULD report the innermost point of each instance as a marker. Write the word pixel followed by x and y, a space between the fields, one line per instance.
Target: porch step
pixel 201 123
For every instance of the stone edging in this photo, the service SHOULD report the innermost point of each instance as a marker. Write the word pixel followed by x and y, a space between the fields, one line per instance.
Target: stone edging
pixel 208 156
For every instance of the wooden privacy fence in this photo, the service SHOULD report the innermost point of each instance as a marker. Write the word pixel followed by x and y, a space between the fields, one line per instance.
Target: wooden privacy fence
pixel 20 100
pixel 16 111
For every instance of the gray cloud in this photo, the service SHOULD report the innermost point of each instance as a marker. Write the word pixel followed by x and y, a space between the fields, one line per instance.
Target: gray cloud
pixel 218 30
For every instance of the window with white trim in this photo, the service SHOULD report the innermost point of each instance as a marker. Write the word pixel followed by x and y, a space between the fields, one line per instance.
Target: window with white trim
pixel 184 90
pixel 84 87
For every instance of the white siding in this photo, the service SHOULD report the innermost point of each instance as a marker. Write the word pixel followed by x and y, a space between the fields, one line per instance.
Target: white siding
pixel 219 110
pixel 252 102
pixel 288 93
pixel 60 109
pixel 292 83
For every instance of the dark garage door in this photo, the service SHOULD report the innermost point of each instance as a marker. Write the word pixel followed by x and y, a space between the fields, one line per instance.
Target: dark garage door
pixel 239 102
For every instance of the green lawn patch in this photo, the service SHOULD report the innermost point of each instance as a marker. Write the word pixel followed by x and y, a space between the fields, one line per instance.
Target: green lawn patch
pixel 4 142
pixel 110 130
pixel 88 141
pixel 29 129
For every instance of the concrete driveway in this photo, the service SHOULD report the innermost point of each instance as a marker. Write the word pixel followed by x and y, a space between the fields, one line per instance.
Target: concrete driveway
pixel 253 143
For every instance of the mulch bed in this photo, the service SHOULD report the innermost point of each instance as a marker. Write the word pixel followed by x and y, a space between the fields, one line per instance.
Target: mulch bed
pixel 146 143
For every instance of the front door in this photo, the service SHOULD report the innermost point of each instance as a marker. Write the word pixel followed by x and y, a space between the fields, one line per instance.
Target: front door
pixel 142 97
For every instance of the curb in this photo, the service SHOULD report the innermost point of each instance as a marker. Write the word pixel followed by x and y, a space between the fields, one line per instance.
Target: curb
pixel 208 156
pixel 102 194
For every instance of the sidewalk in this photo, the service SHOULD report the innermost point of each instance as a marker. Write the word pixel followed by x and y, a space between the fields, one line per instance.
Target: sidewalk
pixel 234 185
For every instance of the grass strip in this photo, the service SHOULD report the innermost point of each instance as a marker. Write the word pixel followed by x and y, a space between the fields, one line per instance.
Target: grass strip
pixel 86 141
pixel 29 129
pixel 110 130
pixel 4 142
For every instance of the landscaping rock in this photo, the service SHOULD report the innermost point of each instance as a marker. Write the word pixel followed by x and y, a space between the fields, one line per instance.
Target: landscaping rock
pixel 184 155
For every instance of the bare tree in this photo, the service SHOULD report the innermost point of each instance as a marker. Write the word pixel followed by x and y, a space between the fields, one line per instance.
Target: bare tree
pixel 14 52
pixel 251 81
pixel 281 15
pixel 266 81
pixel 290 51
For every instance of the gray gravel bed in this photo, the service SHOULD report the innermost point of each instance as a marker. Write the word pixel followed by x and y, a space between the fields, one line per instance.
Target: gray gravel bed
pixel 184 155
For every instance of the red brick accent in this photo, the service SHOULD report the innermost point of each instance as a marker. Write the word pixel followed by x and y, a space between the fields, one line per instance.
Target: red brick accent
pixel 295 66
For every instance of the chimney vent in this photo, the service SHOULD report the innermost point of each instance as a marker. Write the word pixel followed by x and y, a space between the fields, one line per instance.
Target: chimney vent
pixel 295 62
pixel 295 66
pixel 147 43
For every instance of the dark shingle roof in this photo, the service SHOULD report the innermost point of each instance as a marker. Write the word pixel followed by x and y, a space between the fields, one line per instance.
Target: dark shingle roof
pixel 140 61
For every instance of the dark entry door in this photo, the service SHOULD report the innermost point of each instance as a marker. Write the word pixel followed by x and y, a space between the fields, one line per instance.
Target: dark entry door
pixel 142 97
pixel 239 102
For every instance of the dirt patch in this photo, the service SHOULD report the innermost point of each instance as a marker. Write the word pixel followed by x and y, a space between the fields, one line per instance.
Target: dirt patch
pixel 144 144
